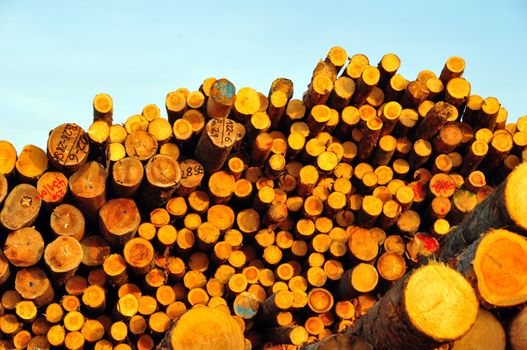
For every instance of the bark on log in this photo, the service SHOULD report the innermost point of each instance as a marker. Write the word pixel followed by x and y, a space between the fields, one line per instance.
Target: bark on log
pixel 430 306
pixel 103 108
pixel 88 186
pixel 163 175
pixel 435 119
pixel 119 220
pixel 505 207
pixel 68 148
pixel 95 249
pixel 221 98
pixel 487 333
pixel 5 271
pixel 518 330
pixel 215 144
pixel 497 285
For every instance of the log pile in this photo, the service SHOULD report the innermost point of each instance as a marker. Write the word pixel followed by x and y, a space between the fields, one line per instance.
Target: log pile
pixel 375 212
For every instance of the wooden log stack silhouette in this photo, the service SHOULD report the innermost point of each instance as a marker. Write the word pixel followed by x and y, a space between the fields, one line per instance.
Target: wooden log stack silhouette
pixel 376 212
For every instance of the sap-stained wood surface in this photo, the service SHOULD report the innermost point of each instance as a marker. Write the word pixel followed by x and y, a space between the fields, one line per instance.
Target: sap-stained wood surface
pixel 241 219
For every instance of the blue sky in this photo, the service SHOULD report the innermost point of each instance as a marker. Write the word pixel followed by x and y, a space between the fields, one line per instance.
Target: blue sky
pixel 56 55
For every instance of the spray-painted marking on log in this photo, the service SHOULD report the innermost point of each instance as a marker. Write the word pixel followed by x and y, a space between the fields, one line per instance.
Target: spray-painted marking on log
pixel 443 186
pixel 72 145
pixel 53 190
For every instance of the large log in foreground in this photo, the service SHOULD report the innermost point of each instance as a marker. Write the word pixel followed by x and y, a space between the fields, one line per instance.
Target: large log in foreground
pixel 339 342
pixel 430 306
pixel 204 328
pixel 487 333
pixel 496 265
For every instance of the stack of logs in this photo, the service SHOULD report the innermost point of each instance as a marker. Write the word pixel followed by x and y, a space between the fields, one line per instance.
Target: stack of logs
pixel 375 212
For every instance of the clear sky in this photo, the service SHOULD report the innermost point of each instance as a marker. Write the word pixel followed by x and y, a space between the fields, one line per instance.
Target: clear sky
pixel 56 55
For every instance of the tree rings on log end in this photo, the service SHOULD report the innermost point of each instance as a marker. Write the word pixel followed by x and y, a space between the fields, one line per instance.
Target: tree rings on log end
pixel 440 302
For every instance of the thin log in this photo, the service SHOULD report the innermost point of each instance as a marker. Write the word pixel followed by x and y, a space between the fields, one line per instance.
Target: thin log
pixel 139 254
pixel 88 187
pixel 456 92
pixel 488 113
pixel 343 90
pixel 163 175
pixel 368 79
pixel 499 148
pixel 284 85
pixel 215 143
pixel 295 335
pixel 454 67
pixel 395 88
pixel 370 137
pixel 115 268
pixel 5 271
pixel 221 98
pixel 415 94
pixel 435 119
pixel 119 220
pixel 362 278
pixel 477 151
pixel 388 66
pixel 103 108
pixel 31 164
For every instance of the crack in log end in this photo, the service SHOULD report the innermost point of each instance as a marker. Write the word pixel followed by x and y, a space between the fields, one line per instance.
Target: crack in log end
pixel 26 201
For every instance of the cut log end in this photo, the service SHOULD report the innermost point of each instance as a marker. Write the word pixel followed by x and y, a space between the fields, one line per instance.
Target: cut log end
pixel 518 330
pixel 24 247
pixel 206 328
pixel 515 194
pixel 440 303
pixel 119 220
pixel 487 333
pixel 63 254
pixel 500 265
pixel 139 254
pixel 31 163
pixel 67 220
pixel 7 157
pixel 21 207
